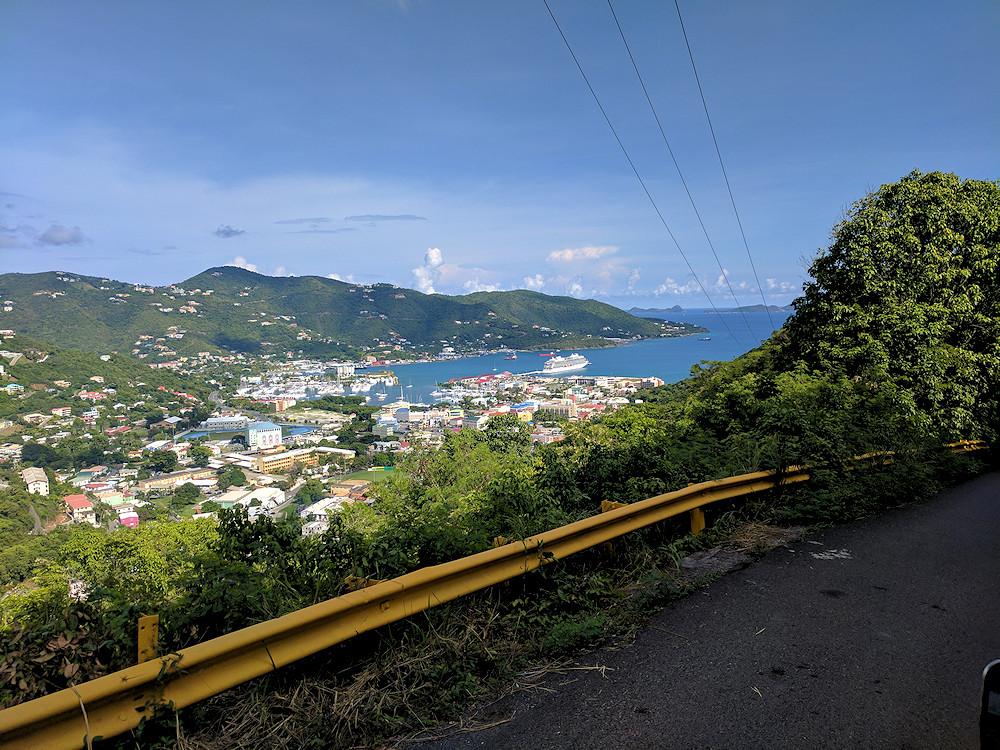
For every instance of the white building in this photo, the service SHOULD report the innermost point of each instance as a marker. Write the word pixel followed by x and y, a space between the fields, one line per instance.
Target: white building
pixel 225 424
pixel 263 435
pixel 37 481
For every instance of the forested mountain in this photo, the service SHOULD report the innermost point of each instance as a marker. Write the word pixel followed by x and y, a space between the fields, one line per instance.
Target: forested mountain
pixel 233 309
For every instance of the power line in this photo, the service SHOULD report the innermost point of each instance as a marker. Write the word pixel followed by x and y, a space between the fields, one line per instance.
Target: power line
pixel 721 163
pixel 678 168
pixel 636 172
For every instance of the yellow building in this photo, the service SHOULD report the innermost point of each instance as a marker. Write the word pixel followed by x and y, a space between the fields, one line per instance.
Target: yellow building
pixel 279 462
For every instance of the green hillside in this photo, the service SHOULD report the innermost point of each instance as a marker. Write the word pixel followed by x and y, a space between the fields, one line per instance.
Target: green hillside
pixel 232 309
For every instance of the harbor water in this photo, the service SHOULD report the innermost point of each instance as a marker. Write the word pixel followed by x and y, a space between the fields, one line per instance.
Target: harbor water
pixel 729 335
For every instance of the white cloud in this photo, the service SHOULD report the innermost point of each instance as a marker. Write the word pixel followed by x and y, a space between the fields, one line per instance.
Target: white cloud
pixel 782 287
pixel 633 279
pixel 535 282
pixel 57 234
pixel 574 287
pixel 225 232
pixel 590 252
pixel 475 285
pixel 240 262
pixel 670 286
pixel 349 279
pixel 428 274
pixel 281 271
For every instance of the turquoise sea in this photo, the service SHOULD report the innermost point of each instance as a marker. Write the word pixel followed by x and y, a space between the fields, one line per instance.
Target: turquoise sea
pixel 670 359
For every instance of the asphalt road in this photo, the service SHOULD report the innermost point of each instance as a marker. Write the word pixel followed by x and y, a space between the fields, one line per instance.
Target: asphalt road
pixel 873 634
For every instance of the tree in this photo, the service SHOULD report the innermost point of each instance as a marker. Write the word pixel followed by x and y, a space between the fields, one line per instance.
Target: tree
pixel 38 454
pixel 186 494
pixel 232 475
pixel 199 455
pixel 163 461
pixel 310 492
pixel 908 295
pixel 506 433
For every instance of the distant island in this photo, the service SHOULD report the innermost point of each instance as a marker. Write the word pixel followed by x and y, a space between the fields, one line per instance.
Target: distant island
pixel 641 311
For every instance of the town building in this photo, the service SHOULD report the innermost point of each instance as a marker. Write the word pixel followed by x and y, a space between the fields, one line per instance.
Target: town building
pixel 276 463
pixel 169 481
pixel 80 509
pixel 225 424
pixel 263 435
pixel 37 481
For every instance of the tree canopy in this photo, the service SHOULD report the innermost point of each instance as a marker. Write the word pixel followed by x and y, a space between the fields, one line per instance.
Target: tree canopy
pixel 908 295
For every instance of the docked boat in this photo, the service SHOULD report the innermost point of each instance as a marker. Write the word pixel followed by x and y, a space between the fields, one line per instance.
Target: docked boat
pixel 561 364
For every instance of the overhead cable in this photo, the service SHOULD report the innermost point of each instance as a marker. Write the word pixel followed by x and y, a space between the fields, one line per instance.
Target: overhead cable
pixel 636 171
pixel 678 168
pixel 721 163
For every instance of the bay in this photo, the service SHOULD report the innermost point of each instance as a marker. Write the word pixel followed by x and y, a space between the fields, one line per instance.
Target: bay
pixel 729 334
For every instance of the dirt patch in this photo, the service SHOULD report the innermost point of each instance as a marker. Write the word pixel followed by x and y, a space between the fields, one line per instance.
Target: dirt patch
pixel 744 546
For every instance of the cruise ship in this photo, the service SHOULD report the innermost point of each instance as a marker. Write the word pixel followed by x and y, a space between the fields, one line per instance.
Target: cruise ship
pixel 561 364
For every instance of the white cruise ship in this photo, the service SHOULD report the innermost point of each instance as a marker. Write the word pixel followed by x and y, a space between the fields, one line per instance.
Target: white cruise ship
pixel 561 364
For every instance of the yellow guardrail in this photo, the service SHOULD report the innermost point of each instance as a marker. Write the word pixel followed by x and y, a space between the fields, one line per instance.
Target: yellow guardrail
pixel 115 703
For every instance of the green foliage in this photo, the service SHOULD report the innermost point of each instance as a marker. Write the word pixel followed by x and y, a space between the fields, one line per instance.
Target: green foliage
pixel 39 454
pixel 186 494
pixel 164 461
pixel 39 660
pixel 147 566
pixel 908 296
pixel 199 455
pixel 310 492
pixel 231 476
pixel 258 569
pixel 506 433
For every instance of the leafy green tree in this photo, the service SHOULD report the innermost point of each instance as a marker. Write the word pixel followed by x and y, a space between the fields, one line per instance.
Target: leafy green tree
pixel 199 455
pixel 164 461
pixel 310 492
pixel 231 475
pixel 104 512
pixel 186 494
pixel 148 565
pixel 506 433
pixel 908 295
pixel 39 454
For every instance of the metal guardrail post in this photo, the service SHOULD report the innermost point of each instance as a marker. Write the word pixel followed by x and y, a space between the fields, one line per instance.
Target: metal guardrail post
pixel 149 637
pixel 697 520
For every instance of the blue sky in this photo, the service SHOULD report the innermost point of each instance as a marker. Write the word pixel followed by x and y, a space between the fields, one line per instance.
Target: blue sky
pixel 453 146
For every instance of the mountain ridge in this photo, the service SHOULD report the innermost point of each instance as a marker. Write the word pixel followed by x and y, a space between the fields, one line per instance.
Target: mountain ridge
pixel 232 309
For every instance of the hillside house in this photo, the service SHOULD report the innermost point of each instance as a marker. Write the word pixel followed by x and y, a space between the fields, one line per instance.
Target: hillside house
pixel 80 509
pixel 37 481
